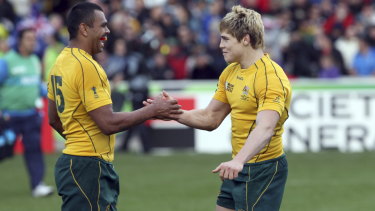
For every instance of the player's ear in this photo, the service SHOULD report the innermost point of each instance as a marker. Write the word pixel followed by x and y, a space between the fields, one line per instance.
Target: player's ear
pixel 246 40
pixel 83 29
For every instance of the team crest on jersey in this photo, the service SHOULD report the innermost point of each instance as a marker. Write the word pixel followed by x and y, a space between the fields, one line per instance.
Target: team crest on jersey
pixel 229 87
pixel 245 93
pixel 94 90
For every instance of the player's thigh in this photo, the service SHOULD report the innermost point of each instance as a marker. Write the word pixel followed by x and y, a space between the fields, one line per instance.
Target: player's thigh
pixel 265 189
pixel 225 198
pixel 85 182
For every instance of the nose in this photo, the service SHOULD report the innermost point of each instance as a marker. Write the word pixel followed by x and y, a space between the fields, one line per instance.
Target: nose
pixel 107 31
pixel 221 45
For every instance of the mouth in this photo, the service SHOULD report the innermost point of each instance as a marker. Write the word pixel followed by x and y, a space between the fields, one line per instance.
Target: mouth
pixel 103 40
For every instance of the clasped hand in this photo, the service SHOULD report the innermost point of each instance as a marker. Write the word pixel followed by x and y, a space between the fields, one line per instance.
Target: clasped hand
pixel 167 107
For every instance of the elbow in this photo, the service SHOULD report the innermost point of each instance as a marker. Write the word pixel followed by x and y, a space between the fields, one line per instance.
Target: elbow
pixel 269 132
pixel 107 130
pixel 211 127
pixel 53 123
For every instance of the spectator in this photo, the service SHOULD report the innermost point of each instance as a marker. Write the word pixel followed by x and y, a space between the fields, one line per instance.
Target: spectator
pixel 337 23
pixel 159 68
pixel 328 68
pixel 325 48
pixel 172 29
pixel 115 68
pixel 7 11
pixel 348 46
pixel 203 68
pixel 301 58
pixel 53 49
pixel 364 60
pixel 23 81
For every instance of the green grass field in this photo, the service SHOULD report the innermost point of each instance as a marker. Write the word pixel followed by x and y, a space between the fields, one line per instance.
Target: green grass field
pixel 326 181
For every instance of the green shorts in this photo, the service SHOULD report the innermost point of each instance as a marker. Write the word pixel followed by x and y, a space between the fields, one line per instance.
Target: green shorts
pixel 86 183
pixel 258 187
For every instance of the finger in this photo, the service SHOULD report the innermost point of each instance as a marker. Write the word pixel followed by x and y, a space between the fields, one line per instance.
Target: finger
pixel 176 112
pixel 230 175
pixel 165 94
pixel 235 174
pixel 175 107
pixel 222 172
pixel 217 169
pixel 227 174
pixel 173 102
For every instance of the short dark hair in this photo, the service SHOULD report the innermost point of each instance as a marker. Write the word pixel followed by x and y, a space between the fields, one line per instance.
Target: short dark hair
pixel 82 12
pixel 22 31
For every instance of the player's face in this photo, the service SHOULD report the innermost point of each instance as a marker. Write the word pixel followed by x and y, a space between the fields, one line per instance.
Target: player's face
pixel 232 49
pixel 98 32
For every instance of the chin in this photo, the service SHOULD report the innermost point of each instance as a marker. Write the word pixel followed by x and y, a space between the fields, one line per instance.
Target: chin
pixel 227 60
pixel 99 50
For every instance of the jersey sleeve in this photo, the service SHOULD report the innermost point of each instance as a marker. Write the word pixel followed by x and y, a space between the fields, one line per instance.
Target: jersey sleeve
pixel 270 92
pixel 93 87
pixel 220 94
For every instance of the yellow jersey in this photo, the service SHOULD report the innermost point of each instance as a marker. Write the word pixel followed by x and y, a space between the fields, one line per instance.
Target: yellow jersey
pixel 78 85
pixel 262 86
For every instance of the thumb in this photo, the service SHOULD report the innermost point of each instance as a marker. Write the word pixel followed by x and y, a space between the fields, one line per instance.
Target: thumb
pixel 165 94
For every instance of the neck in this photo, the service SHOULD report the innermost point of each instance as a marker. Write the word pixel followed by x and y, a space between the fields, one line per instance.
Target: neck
pixel 23 52
pixel 79 44
pixel 251 57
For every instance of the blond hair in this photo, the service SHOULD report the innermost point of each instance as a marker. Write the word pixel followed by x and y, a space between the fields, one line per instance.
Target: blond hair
pixel 242 21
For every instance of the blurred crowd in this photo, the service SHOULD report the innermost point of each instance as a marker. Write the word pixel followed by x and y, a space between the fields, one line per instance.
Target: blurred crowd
pixel 176 39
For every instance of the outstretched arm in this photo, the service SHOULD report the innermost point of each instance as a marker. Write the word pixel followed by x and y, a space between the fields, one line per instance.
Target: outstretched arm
pixel 261 135
pixel 111 122
pixel 208 118
pixel 205 119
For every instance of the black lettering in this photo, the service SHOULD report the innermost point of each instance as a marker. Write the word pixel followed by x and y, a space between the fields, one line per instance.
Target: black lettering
pixel 320 106
pixel 293 135
pixel 367 103
pixel 326 133
pixel 356 133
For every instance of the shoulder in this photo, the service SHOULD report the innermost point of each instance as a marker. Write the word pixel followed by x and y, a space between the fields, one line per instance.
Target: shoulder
pixel 10 54
pixel 270 67
pixel 229 69
pixel 75 59
pixel 84 60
